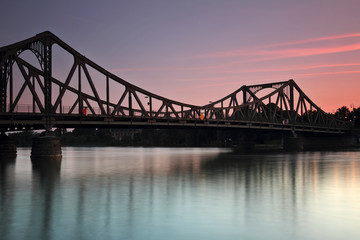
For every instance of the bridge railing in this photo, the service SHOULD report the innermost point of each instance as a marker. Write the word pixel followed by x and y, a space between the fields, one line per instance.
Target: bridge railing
pixel 31 108
pixel 24 108
pixel 222 116
pixel 207 114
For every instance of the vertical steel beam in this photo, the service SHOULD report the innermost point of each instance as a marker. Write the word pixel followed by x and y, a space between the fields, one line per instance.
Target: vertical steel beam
pixel 281 95
pixel 131 113
pixel 270 115
pixel 47 57
pixel 107 96
pixel 11 87
pixel 79 91
pixel 3 87
pixel 60 101
pixel 222 109
pixel 291 98
pixel 47 76
pixel 33 103
pixel 244 97
pixel 150 103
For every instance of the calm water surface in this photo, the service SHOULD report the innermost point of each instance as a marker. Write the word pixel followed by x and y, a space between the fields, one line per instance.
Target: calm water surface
pixel 168 193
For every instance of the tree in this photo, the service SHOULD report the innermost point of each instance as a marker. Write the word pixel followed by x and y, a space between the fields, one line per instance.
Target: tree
pixel 354 116
pixel 342 113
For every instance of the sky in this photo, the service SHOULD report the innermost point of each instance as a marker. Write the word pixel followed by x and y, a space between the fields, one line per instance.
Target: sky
pixel 197 51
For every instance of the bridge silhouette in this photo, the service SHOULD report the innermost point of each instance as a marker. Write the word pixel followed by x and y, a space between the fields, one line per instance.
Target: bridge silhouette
pixel 32 96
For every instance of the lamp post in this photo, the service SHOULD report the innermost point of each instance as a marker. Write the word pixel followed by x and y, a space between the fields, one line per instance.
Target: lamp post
pixel 149 104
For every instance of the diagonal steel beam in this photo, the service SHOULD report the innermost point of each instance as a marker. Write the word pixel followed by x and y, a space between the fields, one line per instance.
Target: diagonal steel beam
pixel 140 104
pixel 93 88
pixel 65 87
pixel 17 98
pixel 119 102
pixel 28 82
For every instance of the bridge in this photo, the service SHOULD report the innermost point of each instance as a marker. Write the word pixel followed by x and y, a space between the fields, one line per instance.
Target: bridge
pixel 33 95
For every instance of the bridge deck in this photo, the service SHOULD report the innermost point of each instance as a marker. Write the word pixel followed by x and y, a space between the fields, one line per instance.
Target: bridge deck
pixel 23 121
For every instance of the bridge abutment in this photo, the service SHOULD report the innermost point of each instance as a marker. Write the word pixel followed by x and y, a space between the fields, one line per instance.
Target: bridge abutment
pixel 46 148
pixel 7 148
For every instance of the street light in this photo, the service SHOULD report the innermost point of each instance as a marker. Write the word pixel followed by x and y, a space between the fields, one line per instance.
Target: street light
pixel 148 103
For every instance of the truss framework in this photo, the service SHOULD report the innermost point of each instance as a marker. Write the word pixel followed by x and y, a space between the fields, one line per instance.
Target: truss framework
pixel 285 104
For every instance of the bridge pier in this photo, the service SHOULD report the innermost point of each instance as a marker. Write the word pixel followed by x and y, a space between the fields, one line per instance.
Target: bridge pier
pixel 45 148
pixel 7 148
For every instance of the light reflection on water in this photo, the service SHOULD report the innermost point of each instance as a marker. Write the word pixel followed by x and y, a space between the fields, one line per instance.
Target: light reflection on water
pixel 164 193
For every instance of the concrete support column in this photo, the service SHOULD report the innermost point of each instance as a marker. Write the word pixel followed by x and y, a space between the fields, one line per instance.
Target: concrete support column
pixel 46 148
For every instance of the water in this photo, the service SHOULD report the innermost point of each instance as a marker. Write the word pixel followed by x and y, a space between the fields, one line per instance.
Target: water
pixel 165 193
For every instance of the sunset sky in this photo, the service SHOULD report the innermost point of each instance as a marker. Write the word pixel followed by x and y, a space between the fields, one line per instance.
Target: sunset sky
pixel 196 51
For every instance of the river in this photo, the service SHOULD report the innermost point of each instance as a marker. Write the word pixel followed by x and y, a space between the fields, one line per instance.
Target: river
pixel 181 193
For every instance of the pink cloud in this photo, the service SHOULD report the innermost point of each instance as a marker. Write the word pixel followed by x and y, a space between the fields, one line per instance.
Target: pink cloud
pixel 351 35
pixel 286 68
pixel 165 69
pixel 264 55
pixel 144 69
pixel 301 52
pixel 208 79
pixel 233 68
pixel 328 73
pixel 267 53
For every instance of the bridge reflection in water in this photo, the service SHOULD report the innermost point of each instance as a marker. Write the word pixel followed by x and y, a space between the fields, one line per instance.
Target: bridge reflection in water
pixel 136 193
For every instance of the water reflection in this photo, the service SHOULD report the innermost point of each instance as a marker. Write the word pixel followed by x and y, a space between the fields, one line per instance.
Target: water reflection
pixel 135 193
pixel 45 182
pixel 7 176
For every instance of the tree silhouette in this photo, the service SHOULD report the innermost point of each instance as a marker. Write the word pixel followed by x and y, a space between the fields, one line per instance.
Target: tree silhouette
pixel 342 113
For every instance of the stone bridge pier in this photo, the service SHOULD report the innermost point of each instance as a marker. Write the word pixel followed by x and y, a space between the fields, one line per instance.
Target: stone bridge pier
pixel 46 148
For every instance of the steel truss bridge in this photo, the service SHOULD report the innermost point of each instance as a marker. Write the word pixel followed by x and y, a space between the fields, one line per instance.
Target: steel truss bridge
pixel 45 83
